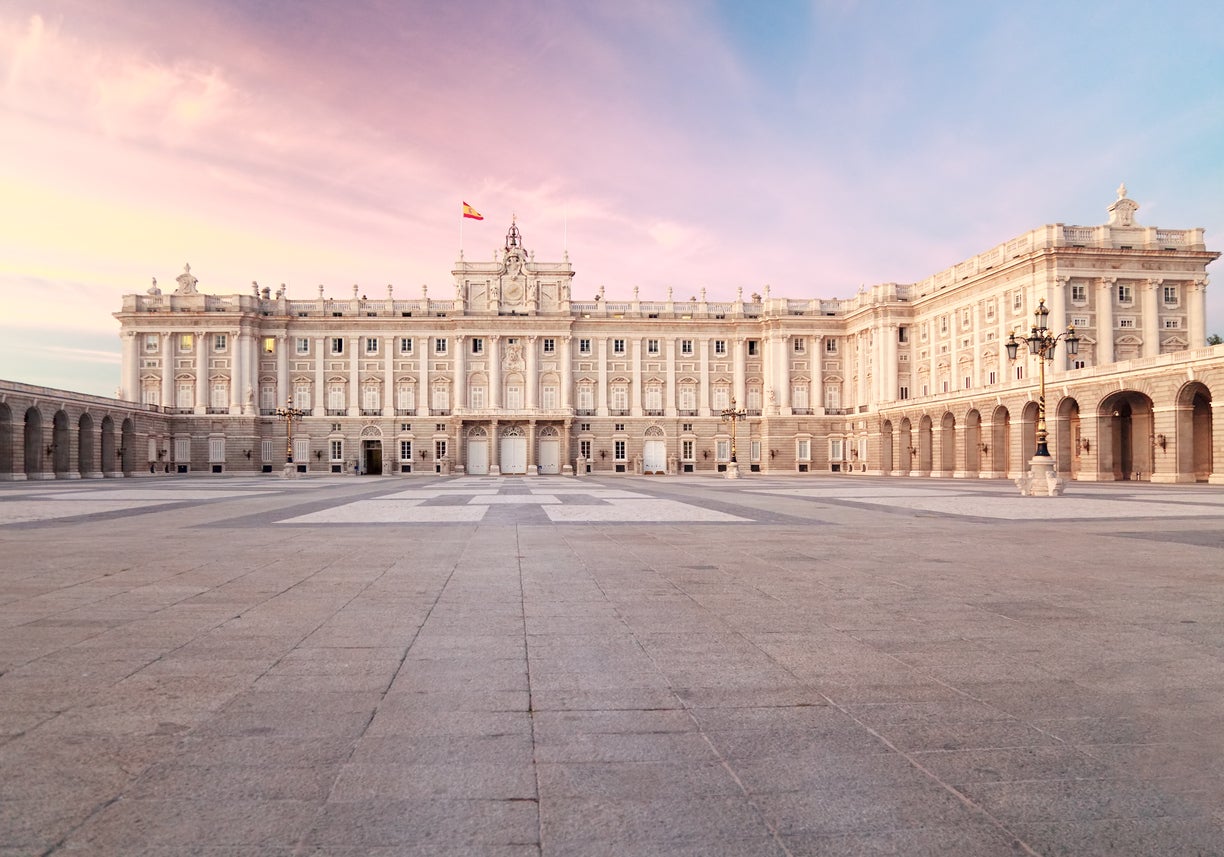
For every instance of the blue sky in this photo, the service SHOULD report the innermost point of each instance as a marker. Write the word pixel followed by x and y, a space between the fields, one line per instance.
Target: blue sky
pixel 810 146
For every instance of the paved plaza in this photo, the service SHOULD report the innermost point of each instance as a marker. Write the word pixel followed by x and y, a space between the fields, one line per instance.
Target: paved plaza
pixel 835 665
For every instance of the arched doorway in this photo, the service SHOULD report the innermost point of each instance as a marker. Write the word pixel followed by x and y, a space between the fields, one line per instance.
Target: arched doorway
pixel 550 450
pixel 6 442
pixel 886 447
pixel 61 451
pixel 512 451
pixel 1194 454
pixel 654 451
pixel 947 444
pixel 925 444
pixel 127 447
pixel 1028 433
pixel 86 466
pixel 32 443
pixel 1068 439
pixel 109 464
pixel 1000 441
pixel 1124 438
pixel 371 451
pixel 477 451
pixel 973 443
pixel 905 445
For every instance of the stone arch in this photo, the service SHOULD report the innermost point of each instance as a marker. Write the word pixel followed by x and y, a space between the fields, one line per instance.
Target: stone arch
pixel 127 446
pixel 1194 427
pixel 109 464
pixel 6 442
pixel 925 444
pixel 478 431
pixel 1028 432
pixel 905 444
pixel 886 447
pixel 1000 440
pixel 947 444
pixel 549 431
pixel 1125 437
pixel 1068 437
pixel 654 431
pixel 32 441
pixel 371 432
pixel 61 449
pixel 975 448
pixel 86 465
pixel 513 431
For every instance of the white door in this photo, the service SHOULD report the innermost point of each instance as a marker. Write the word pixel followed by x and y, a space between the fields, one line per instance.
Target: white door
pixel 514 455
pixel 654 457
pixel 550 456
pixel 478 456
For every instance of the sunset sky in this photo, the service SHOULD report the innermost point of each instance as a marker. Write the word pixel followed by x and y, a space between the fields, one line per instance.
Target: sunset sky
pixel 812 146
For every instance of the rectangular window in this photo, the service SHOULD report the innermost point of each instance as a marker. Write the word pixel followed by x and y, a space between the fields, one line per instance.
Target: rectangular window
pixel 1172 323
pixel 619 427
pixel 371 345
pixel 476 397
pixel 477 345
pixel 1125 295
pixel 337 345
pixel 584 346
pixel 405 345
pixel 720 346
pixel 439 346
pixel 686 427
pixel 405 450
pixel 1019 373
pixel 830 346
pixel 965 318
pixel 992 377
pixel 686 346
pixel 584 427
pixel 150 342
pixel 186 342
pixel 686 449
pixel 302 345
pixel 835 449
pixel 754 450
pixel 722 450
pixel 1170 295
pixel 903 334
pixel 1079 293
pixel 803 450
pixel 652 346
pixel 337 450
pixel 269 345
pixel 754 347
pixel 584 449
pixel 618 447
pixel 903 393
pixel 618 346
pixel 1079 320
pixel 216 450
pixel 548 397
pixel 943 324
pixel 220 342
pixel 439 449
pixel 1017 300
pixel 799 345
pixel 550 345
pixel 968 382
pixel 1126 322
pixel 1078 364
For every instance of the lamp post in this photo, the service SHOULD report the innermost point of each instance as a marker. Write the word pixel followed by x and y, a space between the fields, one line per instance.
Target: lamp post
pixel 289 413
pixel 734 415
pixel 1042 342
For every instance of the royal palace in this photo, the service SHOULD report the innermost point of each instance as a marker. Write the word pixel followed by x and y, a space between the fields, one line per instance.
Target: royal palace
pixel 509 373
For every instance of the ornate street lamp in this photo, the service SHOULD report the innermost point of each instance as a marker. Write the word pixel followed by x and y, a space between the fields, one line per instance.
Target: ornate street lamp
pixel 1042 343
pixel 734 416
pixel 289 413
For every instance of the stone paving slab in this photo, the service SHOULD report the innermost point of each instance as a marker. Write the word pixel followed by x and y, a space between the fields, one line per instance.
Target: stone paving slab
pixel 609 665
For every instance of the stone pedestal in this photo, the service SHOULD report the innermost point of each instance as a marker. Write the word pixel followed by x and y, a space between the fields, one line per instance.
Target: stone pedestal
pixel 732 471
pixel 1041 480
pixel 289 471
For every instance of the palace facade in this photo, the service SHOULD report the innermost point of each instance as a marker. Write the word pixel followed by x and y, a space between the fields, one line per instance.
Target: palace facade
pixel 510 374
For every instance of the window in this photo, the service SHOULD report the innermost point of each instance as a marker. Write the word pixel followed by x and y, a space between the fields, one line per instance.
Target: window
pixel 618 447
pixel 654 398
pixel 799 397
pixel 1125 295
pixel 1172 323
pixel 1019 373
pixel 301 395
pixel 618 427
pixel 405 450
pixel 992 377
pixel 477 345
pixel 337 345
pixel 687 448
pixel 803 449
pixel 799 345
pixel 336 399
pixel 990 309
pixel 754 347
pixel 1079 293
pixel 620 398
pixel 754 450
pixel 302 346
pixel 336 426
pixel 830 346
pixel 586 398
pixel 514 397
pixel 439 449
pixel 686 346
pixel 337 449
pixel 219 397
pixel 722 450
pixel 548 397
pixel 405 426
pixel 720 346
pixel 903 334
pixel 722 398
pixel 965 318
pixel 943 324
pixel 584 427
pixel 584 449
pixel 439 346
pixel 1126 322
pixel 476 397
pixel 220 342
pixel 1017 300
pixel 405 345
pixel 968 382
pixel 835 449
pixel 903 393
pixel 1078 364
pixel 945 386
pixel 1170 295
pixel 216 450
pixel 371 344
pixel 150 343
pixel 1079 320
pixel 186 342
pixel 269 345
pixel 550 345
pixel 652 346
pixel 618 346
pixel 584 346
pixel 686 427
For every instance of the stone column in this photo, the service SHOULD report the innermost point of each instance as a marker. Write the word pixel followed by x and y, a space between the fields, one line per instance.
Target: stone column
pixel 1151 316
pixel 567 374
pixel 422 347
pixel 237 370
pixel 201 397
pixel 1196 314
pixel 354 384
pixel 459 375
pixel 816 393
pixel 888 386
pixel 704 393
pixel 495 379
pixel 130 382
pixel 785 349
pixel 601 390
pixel 250 378
pixel 1104 320
pixel 319 405
pixel 533 379
pixel 388 401
pixel 1058 323
pixel 167 379
pixel 635 392
pixel 282 370
pixel 669 376
pixel 739 377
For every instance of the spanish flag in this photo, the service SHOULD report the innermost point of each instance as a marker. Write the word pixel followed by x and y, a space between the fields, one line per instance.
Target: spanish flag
pixel 468 211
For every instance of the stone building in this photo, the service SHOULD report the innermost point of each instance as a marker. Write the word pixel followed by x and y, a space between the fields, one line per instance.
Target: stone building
pixel 511 374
